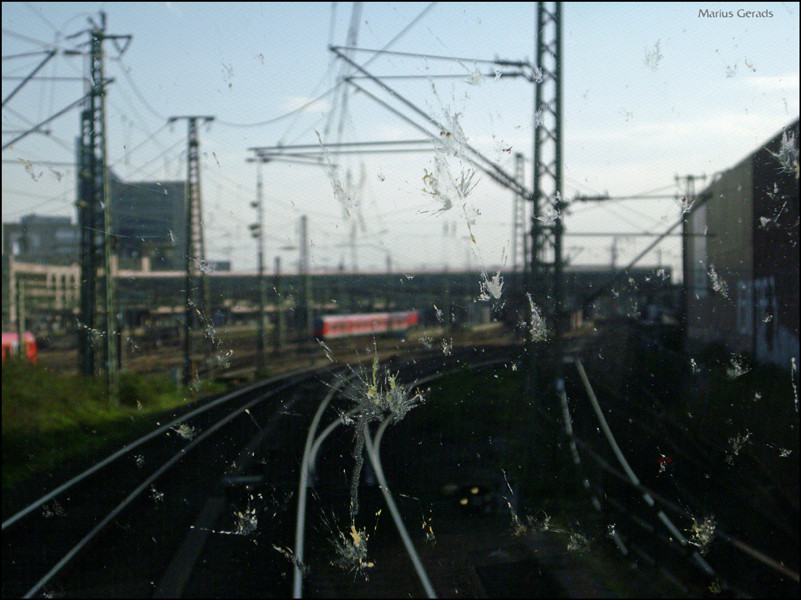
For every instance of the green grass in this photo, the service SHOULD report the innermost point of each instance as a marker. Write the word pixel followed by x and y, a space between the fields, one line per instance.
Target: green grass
pixel 50 418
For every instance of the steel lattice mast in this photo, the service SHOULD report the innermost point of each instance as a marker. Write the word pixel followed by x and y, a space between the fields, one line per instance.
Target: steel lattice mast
pixel 545 277
pixel 196 285
pixel 99 324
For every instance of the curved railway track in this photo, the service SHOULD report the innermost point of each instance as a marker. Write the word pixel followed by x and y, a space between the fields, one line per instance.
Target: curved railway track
pixel 218 471
pixel 214 502
pixel 687 517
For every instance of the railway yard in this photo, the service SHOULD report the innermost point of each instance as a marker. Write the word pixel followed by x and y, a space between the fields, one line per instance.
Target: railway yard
pixel 222 498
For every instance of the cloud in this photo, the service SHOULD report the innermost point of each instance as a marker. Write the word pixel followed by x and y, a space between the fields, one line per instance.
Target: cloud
pixel 306 104
pixel 174 9
pixel 773 83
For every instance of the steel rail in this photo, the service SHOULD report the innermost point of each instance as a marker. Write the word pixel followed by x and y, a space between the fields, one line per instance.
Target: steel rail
pixel 742 546
pixel 372 453
pixel 300 523
pixel 135 444
pixel 307 469
pixel 630 473
pixel 144 485
pixel 778 566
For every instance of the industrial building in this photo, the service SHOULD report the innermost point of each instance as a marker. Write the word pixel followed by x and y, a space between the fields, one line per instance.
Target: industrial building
pixel 42 240
pixel 148 219
pixel 741 278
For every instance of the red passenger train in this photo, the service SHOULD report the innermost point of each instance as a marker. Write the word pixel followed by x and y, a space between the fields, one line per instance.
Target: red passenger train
pixel 339 326
pixel 11 345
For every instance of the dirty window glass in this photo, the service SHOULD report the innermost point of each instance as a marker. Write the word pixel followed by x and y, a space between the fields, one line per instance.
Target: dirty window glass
pixel 452 299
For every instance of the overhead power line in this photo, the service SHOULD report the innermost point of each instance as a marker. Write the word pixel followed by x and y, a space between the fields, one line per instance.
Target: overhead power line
pixel 55 116
pixel 336 86
pixel 139 94
pixel 497 61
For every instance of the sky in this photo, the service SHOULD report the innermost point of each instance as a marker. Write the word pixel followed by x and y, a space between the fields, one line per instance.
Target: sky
pixel 652 92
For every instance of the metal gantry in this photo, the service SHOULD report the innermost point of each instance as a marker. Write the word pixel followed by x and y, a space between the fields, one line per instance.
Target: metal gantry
pixel 196 286
pixel 519 235
pixel 98 316
pixel 258 233
pixel 545 277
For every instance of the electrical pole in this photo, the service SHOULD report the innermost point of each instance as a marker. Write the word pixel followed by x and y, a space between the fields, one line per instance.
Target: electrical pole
pixel 196 286
pixel 258 233
pixel 544 381
pixel 545 283
pixel 20 306
pixel 614 252
pixel 95 222
pixel 519 220
pixel 279 308
pixel 304 270
pixel 687 270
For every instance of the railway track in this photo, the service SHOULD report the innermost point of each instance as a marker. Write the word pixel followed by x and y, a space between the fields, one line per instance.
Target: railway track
pixel 145 478
pixel 222 472
pixel 209 503
pixel 671 506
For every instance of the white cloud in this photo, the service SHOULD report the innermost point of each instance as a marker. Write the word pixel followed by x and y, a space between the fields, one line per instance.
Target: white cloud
pixel 773 83
pixel 305 103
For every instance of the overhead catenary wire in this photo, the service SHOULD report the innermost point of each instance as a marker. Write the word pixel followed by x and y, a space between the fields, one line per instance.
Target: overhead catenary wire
pixel 51 118
pixel 135 88
pixel 330 90
pixel 26 38
pixel 617 275
pixel 494 169
pixel 158 156
pixel 506 181
pixel 41 16
pixel 128 152
pixel 497 61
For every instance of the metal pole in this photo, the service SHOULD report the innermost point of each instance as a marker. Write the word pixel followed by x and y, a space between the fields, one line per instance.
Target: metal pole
pixel 188 270
pixel 687 271
pixel 88 258
pixel 109 292
pixel 260 362
pixel 279 308
pixel 195 283
pixel 304 268
pixel 20 316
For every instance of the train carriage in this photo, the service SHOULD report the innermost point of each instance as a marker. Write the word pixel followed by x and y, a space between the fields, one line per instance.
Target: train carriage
pixel 339 326
pixel 11 345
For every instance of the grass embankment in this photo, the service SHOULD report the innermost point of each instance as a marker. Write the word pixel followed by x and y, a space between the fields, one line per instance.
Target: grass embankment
pixel 50 418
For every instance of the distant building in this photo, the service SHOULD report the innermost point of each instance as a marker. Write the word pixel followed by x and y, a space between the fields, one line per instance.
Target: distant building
pixel 42 240
pixel 742 280
pixel 149 220
pixel 47 294
pixel 222 266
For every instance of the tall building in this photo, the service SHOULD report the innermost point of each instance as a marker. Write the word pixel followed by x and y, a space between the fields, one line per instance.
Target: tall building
pixel 149 220
pixel 42 240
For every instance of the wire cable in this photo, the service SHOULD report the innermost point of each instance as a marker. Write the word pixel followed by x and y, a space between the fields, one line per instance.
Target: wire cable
pixel 136 91
pixel 326 93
